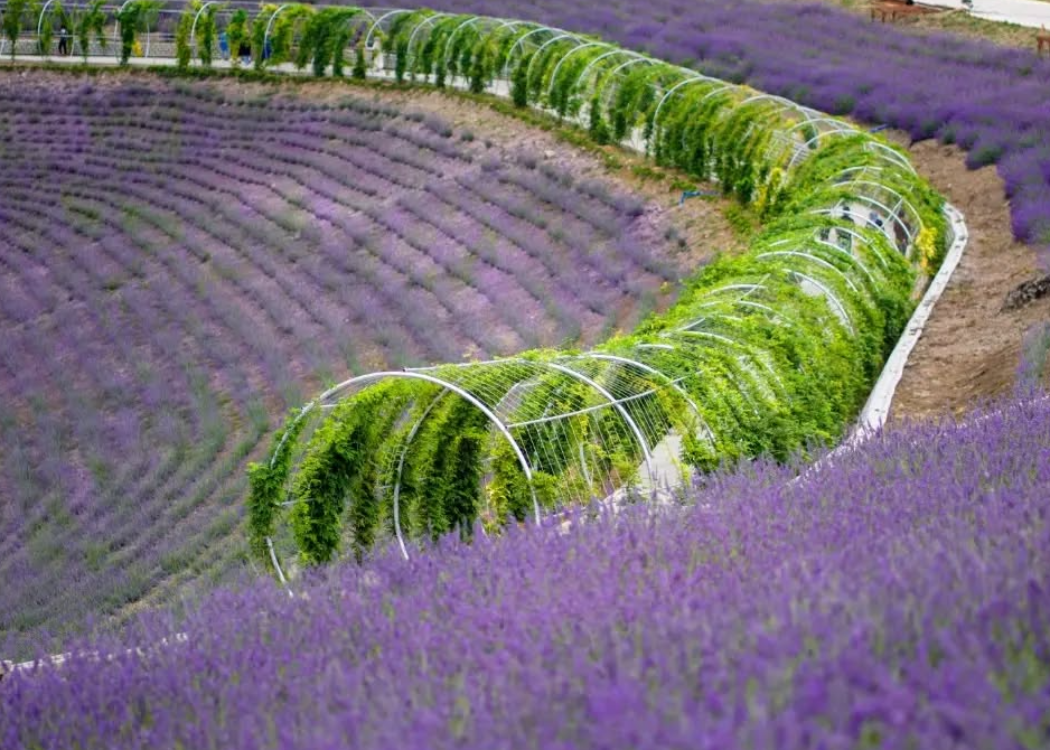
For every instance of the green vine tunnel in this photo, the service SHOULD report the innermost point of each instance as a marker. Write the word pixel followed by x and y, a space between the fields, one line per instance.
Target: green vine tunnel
pixel 768 352
pixel 764 354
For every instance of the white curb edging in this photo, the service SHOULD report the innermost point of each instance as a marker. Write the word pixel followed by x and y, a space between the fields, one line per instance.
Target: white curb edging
pixel 877 409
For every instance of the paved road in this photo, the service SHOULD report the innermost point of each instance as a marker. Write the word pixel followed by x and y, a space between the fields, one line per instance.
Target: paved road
pixel 1024 12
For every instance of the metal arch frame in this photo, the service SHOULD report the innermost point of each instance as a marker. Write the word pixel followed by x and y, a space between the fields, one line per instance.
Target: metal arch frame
pixel 497 422
pixel 448 42
pixel 353 18
pixel 713 300
pixel 40 23
pixel 760 375
pixel 867 180
pixel 724 87
pixel 554 365
pixel 116 19
pixel 746 351
pixel 566 56
pixel 616 404
pixel 688 81
pixel 671 382
pixel 116 27
pixel 623 66
pixel 832 298
pixel 196 17
pixel 599 58
pixel 777 317
pixel 839 128
pixel 411 39
pixel 552 40
pixel 904 202
pixel 890 214
pixel 401 467
pixel 818 260
pixel 744 348
pixel 852 232
pixel 270 22
pixel 866 241
pixel 809 114
pixel 376 21
pixel 849 256
pixel 299 417
pixel 895 157
pixel 640 58
pixel 510 54
pixel 853 259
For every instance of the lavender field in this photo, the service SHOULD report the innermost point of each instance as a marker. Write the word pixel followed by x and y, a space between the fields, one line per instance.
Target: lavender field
pixel 179 263
pixel 897 597
pixel 992 101
pixel 186 258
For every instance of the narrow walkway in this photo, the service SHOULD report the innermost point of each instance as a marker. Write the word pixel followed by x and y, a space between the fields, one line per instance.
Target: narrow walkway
pixel 1024 12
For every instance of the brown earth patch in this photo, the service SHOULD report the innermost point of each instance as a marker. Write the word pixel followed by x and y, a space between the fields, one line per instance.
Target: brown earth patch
pixel 971 348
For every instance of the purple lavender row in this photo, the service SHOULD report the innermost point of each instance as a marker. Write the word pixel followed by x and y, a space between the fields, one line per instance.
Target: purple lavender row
pixel 897 598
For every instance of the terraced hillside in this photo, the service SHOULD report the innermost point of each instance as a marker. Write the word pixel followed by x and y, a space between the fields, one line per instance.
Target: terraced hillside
pixel 178 264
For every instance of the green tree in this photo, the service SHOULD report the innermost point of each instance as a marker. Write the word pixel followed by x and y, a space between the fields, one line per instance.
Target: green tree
pixel 258 35
pixel 14 16
pixel 183 51
pixel 206 33
pixel 91 21
pixel 47 27
pixel 133 18
pixel 360 66
pixel 237 33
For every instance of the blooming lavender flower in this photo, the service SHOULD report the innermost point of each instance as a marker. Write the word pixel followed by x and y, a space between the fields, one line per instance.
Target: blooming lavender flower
pixel 173 255
pixel 896 596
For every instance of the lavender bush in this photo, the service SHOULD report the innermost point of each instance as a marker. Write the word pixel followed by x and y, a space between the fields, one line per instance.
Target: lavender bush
pixel 177 264
pixel 898 596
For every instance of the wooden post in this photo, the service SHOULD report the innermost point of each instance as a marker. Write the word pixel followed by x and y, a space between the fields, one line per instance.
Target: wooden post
pixel 1042 39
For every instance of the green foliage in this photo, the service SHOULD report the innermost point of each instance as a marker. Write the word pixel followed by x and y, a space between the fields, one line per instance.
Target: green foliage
pixel 632 100
pixel 482 62
pixel 47 30
pixel 282 34
pixel 267 482
pixel 520 83
pixel 91 21
pixel 564 86
pixel 257 35
pixel 183 50
pixel 442 474
pixel 326 34
pixel 340 463
pixel 207 32
pixel 16 13
pixel 132 18
pixel 599 131
pixel 237 33
pixel 360 64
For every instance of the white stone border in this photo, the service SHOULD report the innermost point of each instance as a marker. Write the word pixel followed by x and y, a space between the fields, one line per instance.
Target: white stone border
pixel 877 409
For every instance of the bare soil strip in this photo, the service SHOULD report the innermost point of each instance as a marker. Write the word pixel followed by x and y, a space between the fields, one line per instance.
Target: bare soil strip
pixel 971 348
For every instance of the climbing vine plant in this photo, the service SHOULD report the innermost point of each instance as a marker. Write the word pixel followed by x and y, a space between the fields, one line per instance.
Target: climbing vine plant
pixel 770 352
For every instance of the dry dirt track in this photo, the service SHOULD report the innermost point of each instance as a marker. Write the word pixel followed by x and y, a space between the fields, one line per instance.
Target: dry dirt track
pixel 970 349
